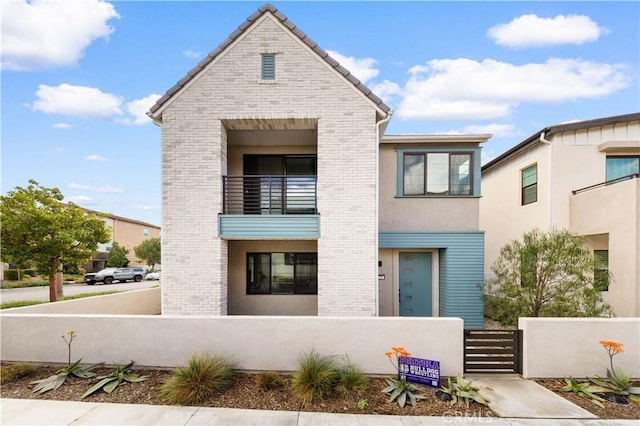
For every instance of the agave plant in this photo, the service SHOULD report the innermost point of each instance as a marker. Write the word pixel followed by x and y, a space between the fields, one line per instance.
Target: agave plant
pixel 73 370
pixel 400 390
pixel 585 390
pixel 619 382
pixel 463 391
pixel 110 382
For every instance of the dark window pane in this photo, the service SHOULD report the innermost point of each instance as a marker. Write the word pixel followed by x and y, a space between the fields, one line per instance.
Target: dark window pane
pixel 306 273
pixel 530 185
pixel 258 273
pixel 413 183
pixel 601 270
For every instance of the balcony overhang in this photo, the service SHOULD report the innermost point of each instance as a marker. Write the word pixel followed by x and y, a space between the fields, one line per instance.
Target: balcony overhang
pixel 268 227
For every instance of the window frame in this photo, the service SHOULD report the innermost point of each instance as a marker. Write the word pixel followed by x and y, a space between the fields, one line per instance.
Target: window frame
pixel 474 170
pixel 524 188
pixel 267 66
pixel 601 270
pixel 290 258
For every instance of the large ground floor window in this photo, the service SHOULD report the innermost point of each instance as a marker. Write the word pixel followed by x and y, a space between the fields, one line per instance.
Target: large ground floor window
pixel 282 273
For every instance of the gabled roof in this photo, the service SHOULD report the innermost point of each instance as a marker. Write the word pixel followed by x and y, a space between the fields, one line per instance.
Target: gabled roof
pixel 560 128
pixel 268 8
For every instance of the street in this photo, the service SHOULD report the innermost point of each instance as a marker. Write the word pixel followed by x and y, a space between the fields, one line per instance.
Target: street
pixel 42 293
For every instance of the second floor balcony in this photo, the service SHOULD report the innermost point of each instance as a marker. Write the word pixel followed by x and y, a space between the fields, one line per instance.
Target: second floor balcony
pixel 269 207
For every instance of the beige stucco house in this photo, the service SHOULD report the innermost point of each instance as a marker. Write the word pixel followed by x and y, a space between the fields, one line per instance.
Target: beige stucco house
pixel 581 176
pixel 282 196
pixel 128 233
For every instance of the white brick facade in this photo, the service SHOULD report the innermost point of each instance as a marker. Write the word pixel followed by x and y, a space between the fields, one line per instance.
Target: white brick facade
pixel 194 141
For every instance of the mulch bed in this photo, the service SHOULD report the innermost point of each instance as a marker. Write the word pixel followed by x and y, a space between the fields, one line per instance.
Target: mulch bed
pixel 245 393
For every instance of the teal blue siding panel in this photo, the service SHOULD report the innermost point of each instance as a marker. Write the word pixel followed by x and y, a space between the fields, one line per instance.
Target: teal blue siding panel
pixel 461 269
pixel 269 227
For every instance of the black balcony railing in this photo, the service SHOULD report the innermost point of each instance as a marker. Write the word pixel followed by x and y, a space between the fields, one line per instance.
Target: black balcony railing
pixel 263 194
pixel 609 182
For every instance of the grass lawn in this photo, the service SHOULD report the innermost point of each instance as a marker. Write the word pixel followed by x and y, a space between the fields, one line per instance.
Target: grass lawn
pixel 20 303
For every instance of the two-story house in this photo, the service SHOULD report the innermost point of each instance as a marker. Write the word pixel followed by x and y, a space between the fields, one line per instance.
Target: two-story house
pixel 580 176
pixel 128 233
pixel 281 196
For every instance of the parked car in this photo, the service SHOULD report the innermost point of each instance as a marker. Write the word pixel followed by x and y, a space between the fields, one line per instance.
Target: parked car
pixel 110 275
pixel 155 275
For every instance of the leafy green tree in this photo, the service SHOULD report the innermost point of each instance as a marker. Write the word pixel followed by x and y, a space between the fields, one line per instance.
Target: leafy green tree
pixel 149 251
pixel 117 256
pixel 544 275
pixel 38 226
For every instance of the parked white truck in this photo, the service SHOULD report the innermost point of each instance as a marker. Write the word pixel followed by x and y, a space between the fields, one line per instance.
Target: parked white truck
pixel 110 275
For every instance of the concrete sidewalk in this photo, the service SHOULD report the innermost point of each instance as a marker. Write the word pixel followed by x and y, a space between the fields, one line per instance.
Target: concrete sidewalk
pixel 516 401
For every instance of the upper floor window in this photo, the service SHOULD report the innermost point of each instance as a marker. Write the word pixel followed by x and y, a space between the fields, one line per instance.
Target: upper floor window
pixel 621 166
pixel 437 173
pixel 268 68
pixel 530 185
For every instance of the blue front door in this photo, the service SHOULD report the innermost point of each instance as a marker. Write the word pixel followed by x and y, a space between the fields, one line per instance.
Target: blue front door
pixel 415 284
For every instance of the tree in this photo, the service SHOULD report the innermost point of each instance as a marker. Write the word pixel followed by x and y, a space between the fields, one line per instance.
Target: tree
pixel 117 256
pixel 149 251
pixel 544 275
pixel 37 225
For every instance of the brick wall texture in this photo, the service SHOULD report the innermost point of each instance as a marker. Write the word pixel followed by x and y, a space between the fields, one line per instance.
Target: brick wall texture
pixel 194 259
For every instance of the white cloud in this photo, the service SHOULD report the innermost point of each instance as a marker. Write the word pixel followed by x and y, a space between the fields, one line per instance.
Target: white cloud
pixel 62 125
pixel 76 101
pixel 386 89
pixel 362 68
pixel 138 109
pixel 96 157
pixel 464 89
pixel 145 207
pixel 100 189
pixel 79 199
pixel 39 34
pixel 534 31
pixel 192 54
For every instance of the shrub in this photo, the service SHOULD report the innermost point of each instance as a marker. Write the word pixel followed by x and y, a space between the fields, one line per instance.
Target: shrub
pixel 269 380
pixel 11 274
pixel 352 382
pixel 203 377
pixel 315 377
pixel 14 372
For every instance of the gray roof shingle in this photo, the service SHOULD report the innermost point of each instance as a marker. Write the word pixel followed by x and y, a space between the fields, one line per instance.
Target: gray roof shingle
pixel 268 8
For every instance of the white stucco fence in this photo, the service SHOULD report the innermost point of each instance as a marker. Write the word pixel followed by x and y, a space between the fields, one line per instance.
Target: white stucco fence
pixel 254 343
pixel 125 327
pixel 561 347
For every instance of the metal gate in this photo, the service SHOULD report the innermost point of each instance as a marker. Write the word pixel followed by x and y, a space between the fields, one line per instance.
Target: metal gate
pixel 493 351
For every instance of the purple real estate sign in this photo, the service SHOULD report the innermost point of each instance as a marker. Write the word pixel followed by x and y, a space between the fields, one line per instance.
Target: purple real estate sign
pixel 418 370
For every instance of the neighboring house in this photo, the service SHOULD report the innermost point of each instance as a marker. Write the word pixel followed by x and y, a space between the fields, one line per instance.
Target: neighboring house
pixel 579 176
pixel 128 233
pixel 282 197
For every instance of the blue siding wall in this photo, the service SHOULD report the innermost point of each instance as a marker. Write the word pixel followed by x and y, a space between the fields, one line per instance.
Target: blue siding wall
pixel 461 269
pixel 269 227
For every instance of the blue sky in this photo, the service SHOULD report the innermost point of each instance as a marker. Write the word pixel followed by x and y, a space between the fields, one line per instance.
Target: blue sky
pixel 78 77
